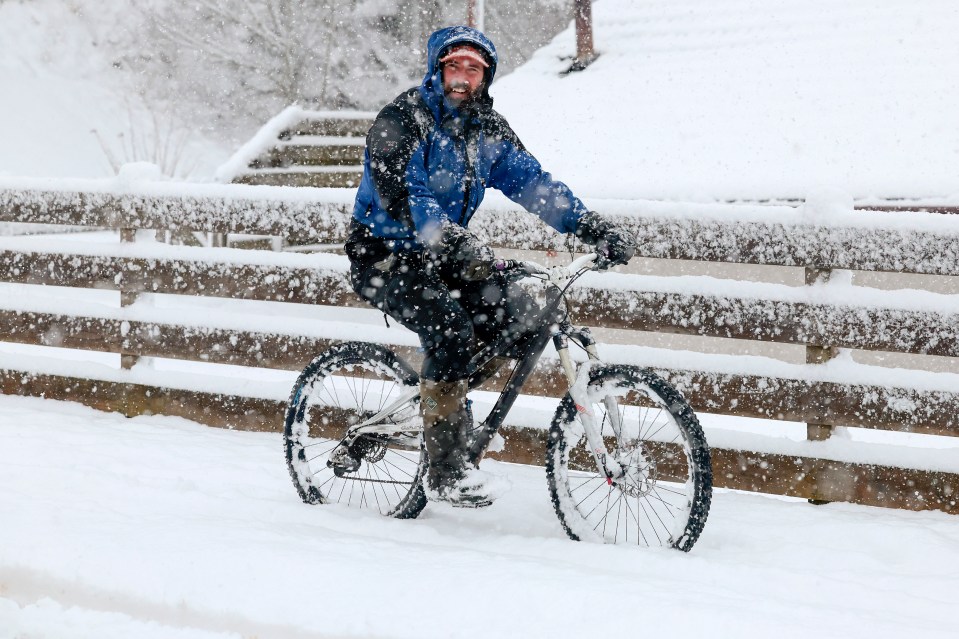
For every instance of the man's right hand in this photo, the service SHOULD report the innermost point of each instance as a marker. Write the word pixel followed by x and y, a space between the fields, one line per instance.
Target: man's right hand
pixel 460 253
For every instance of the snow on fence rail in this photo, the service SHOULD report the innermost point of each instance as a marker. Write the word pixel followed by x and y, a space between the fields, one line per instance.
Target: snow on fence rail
pixel 824 393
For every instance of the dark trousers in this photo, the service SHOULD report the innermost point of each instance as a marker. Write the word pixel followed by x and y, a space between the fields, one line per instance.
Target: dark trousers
pixel 447 314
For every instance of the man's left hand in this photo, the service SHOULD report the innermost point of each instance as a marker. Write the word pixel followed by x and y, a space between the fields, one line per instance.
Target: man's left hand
pixel 614 244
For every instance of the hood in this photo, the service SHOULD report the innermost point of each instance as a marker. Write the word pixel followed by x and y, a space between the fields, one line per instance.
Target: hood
pixel 432 86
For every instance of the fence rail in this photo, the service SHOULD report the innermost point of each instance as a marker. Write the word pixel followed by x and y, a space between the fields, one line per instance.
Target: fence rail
pixel 820 317
pixel 866 242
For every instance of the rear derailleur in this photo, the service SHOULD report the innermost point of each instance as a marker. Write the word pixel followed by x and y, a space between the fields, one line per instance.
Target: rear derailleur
pixel 352 451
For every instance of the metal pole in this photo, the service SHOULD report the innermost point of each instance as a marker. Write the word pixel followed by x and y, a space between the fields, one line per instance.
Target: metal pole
pixel 583 14
pixel 476 14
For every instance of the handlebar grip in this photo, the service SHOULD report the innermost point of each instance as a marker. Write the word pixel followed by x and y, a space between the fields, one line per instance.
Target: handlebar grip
pixel 518 267
pixel 500 265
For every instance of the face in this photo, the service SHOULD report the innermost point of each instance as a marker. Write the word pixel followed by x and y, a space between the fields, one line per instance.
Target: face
pixel 462 80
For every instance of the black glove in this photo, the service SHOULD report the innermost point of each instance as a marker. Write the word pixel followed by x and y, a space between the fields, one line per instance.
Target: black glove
pixel 458 254
pixel 614 244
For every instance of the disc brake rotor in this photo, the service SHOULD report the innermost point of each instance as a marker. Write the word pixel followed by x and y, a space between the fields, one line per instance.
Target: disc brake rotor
pixel 639 477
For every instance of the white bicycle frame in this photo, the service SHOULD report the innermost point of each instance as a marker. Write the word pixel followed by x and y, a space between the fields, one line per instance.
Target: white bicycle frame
pixel 578 378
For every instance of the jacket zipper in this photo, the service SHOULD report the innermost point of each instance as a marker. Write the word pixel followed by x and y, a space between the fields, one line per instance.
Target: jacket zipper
pixel 468 192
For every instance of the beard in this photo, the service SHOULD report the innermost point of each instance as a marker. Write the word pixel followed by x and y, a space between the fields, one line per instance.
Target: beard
pixel 461 99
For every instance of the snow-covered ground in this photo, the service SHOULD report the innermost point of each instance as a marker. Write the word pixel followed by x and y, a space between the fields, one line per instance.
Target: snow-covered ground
pixel 157 527
pixel 691 100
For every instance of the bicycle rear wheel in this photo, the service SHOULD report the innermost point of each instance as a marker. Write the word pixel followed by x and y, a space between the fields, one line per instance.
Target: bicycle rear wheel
pixel 344 386
pixel 663 498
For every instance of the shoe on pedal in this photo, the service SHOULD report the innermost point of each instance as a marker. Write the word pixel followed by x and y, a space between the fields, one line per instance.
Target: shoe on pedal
pixel 447 421
pixel 472 488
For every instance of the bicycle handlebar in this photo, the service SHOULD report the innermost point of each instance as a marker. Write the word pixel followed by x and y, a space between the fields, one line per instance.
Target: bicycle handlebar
pixel 524 267
pixel 559 276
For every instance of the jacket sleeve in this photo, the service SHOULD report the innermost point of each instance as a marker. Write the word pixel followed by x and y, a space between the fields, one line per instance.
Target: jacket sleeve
pixel 521 178
pixel 428 216
pixel 397 167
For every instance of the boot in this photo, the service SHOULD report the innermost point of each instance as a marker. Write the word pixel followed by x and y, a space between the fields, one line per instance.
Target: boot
pixel 446 424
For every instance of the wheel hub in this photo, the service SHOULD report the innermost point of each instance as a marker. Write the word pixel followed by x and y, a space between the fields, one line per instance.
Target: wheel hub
pixel 347 458
pixel 639 473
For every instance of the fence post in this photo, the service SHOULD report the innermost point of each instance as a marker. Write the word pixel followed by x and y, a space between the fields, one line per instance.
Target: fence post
pixel 475 14
pixel 127 297
pixel 818 354
pixel 583 16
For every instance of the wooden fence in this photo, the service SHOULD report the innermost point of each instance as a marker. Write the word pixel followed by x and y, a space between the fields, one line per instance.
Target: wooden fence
pixel 816 393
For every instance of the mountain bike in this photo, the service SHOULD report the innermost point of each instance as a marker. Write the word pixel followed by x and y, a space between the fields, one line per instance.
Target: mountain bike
pixel 626 458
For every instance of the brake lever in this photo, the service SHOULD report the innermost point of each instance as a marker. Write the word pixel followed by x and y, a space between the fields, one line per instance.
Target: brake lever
pixel 601 263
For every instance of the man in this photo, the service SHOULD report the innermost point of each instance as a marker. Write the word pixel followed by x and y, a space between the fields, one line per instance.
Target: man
pixel 430 155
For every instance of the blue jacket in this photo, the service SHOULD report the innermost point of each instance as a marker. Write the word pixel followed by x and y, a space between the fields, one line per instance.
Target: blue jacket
pixel 427 162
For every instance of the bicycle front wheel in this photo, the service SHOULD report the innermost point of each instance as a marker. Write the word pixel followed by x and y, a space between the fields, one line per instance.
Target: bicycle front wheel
pixel 381 470
pixel 663 495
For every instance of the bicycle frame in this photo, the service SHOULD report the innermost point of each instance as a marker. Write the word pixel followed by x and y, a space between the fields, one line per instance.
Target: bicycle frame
pixel 556 327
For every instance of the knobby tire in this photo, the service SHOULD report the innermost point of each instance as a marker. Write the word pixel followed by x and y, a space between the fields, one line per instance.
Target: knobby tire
pixel 665 499
pixel 343 386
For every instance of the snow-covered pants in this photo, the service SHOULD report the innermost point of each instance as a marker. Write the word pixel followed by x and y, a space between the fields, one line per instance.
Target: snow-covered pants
pixel 447 315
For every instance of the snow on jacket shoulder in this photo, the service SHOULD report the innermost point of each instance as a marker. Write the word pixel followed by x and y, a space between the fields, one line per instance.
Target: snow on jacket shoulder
pixel 427 162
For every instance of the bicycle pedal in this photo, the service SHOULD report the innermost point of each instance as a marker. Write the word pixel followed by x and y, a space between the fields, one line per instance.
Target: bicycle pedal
pixel 470 504
pixel 459 500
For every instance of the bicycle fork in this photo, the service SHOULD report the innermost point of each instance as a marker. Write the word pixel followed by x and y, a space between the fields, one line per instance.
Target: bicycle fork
pixel 578 390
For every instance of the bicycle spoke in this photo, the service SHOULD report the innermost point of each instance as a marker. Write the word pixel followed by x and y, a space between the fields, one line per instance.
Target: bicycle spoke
pixel 324 453
pixel 619 511
pixel 630 513
pixel 377 475
pixel 651 524
pixel 652 436
pixel 639 525
pixel 320 487
pixel 581 501
pixel 402 470
pixel 605 517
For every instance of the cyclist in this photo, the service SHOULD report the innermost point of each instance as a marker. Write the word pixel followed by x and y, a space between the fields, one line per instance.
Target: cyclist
pixel 430 155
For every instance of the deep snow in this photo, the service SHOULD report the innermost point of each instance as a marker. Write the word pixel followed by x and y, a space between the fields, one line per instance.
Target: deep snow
pixel 157 527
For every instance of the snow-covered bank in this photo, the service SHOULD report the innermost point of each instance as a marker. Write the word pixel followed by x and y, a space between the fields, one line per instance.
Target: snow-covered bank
pixel 748 99
pixel 64 113
pixel 200 530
